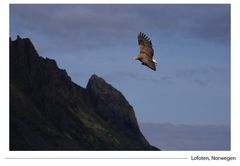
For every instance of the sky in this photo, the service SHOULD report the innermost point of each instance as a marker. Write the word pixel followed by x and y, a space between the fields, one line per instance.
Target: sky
pixel 187 137
pixel 191 44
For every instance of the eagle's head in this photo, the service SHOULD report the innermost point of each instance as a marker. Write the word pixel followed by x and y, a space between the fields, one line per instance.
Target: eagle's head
pixel 155 61
pixel 136 57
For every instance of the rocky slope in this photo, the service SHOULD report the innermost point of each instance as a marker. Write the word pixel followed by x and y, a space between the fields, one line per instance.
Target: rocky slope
pixel 50 112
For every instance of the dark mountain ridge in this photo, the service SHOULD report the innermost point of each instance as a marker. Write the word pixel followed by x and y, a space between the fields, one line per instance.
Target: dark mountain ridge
pixel 50 112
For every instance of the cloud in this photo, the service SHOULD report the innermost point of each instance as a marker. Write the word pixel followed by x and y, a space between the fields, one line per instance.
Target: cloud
pixel 192 72
pixel 208 22
pixel 205 22
pixel 200 82
pixel 202 75
pixel 138 77
pixel 84 26
pixel 167 136
pixel 96 26
pixel 186 73
pixel 120 75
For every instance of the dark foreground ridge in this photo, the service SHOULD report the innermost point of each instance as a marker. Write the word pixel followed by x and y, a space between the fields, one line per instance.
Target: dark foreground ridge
pixel 50 112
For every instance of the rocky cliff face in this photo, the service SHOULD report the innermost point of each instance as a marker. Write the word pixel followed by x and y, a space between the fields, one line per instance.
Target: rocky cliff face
pixel 50 112
pixel 111 105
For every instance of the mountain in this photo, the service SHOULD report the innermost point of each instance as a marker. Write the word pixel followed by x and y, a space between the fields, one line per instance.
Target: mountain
pixel 48 111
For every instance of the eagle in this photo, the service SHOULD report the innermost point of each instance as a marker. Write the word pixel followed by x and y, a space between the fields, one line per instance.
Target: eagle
pixel 146 52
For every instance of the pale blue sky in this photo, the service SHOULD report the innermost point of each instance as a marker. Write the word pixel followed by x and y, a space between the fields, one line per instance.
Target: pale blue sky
pixel 191 43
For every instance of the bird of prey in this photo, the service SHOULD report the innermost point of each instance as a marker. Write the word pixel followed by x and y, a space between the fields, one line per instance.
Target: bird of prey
pixel 146 52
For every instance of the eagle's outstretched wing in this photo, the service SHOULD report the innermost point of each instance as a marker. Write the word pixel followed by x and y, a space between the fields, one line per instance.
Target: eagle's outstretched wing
pixel 146 50
pixel 145 45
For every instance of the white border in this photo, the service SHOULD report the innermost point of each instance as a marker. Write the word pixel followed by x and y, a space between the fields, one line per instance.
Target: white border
pixel 153 156
pixel 121 1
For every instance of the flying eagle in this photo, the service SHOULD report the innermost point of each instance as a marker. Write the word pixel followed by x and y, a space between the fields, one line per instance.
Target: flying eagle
pixel 146 52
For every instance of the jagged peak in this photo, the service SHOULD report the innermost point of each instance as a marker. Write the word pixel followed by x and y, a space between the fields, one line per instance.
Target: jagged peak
pixel 31 61
pixel 24 44
pixel 94 81
pixel 95 77
pixel 18 38
pixel 27 42
pixel 98 84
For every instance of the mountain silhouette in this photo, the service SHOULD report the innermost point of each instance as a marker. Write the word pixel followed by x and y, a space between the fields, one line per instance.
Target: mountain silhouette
pixel 48 111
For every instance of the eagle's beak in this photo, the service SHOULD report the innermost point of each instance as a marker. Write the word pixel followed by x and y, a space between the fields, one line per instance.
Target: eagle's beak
pixel 155 61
